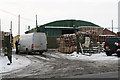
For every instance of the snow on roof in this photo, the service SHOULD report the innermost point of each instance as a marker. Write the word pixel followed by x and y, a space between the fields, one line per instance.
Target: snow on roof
pixel 69 35
pixel 106 35
pixel 114 30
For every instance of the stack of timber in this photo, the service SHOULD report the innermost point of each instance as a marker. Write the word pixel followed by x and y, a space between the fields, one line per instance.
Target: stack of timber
pixel 99 34
pixel 96 30
pixel 67 43
pixel 88 33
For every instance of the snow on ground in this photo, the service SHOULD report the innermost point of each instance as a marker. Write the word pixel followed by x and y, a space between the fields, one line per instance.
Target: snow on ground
pixel 95 57
pixel 17 62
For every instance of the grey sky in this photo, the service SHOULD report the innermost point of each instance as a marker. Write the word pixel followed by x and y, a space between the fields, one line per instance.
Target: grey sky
pixel 100 12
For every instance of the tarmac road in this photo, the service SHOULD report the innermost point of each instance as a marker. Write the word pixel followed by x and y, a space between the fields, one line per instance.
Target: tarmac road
pixel 99 75
pixel 47 66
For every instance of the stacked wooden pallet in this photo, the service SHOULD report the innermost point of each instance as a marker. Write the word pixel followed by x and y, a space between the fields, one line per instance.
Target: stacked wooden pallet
pixel 67 43
pixel 96 30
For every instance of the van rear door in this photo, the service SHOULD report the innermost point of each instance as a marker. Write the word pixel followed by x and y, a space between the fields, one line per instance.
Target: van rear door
pixel 36 42
pixel 43 42
pixel 39 41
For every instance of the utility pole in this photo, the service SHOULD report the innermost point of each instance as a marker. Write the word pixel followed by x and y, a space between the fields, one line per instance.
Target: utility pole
pixel 18 24
pixel 11 27
pixel 0 38
pixel 11 33
pixel 0 24
pixel 119 17
pixel 36 22
pixel 112 25
pixel 0 30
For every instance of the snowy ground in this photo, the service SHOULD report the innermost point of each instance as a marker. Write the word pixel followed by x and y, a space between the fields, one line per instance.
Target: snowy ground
pixel 21 61
pixel 17 63
pixel 55 64
pixel 94 57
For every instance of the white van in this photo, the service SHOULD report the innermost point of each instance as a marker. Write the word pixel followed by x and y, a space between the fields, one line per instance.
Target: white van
pixel 32 42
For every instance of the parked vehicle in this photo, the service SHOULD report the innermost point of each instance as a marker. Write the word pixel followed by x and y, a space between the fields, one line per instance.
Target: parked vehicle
pixel 33 42
pixel 112 45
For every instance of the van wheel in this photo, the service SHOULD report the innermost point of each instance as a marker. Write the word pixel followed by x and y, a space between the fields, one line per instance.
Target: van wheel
pixel 27 51
pixel 118 54
pixel 108 54
pixel 18 52
pixel 40 53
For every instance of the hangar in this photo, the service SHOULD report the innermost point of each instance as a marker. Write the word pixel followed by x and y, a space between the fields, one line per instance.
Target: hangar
pixel 56 28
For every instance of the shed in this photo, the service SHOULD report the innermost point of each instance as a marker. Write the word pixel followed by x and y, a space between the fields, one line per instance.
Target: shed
pixel 56 28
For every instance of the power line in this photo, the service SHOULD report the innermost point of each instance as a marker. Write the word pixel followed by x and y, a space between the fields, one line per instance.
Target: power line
pixel 7 12
pixel 15 15
pixel 27 19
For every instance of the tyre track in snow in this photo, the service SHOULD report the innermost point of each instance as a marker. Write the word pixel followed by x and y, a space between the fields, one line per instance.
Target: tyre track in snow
pixel 35 67
pixel 49 66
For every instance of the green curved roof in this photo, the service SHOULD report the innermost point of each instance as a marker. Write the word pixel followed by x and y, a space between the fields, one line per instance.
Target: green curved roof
pixel 64 23
pixel 70 23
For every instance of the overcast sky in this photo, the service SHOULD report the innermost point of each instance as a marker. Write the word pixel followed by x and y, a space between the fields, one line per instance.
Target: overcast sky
pixel 100 12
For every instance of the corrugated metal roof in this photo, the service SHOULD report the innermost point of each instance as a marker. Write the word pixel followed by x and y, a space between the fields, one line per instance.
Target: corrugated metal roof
pixel 65 24
pixel 70 23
